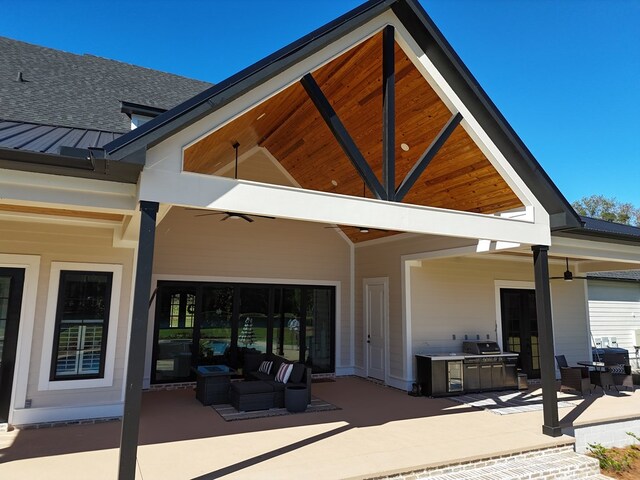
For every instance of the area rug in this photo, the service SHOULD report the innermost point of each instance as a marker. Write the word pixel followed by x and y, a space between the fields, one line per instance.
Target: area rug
pixel 230 414
pixel 506 403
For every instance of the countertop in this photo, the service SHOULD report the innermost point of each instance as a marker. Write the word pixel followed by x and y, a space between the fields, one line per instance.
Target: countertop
pixel 462 356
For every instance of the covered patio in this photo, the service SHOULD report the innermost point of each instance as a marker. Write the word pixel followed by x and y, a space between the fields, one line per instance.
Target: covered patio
pixel 377 430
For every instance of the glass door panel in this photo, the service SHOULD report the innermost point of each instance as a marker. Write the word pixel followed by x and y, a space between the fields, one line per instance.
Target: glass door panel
pixel 175 319
pixel 318 329
pixel 253 318
pixel 286 323
pixel 215 326
pixel 11 282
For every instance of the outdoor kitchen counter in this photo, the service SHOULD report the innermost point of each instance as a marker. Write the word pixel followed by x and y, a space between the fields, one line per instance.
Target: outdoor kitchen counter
pixel 462 356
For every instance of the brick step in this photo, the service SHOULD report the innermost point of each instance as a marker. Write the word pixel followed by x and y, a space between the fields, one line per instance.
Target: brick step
pixel 546 464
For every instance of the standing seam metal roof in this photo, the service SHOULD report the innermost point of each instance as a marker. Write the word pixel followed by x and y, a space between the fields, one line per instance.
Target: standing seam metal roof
pixel 41 138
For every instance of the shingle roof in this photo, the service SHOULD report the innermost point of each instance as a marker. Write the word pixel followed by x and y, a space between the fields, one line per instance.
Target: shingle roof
pixel 81 91
pixel 49 138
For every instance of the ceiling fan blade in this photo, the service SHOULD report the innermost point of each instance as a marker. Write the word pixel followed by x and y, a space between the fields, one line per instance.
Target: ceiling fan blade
pixel 264 216
pixel 244 217
pixel 207 214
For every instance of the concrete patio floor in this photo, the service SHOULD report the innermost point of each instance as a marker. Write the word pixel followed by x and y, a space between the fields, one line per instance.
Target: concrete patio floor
pixel 377 430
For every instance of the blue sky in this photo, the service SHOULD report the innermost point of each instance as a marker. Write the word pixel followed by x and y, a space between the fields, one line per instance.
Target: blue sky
pixel 565 74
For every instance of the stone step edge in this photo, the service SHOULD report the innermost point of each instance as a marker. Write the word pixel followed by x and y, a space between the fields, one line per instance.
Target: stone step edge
pixel 471 463
pixel 567 465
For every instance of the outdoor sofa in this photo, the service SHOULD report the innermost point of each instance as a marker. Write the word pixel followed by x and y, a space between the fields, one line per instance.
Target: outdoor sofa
pixel 261 391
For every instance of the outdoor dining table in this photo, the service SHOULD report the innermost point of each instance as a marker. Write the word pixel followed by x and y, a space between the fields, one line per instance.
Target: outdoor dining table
pixel 600 375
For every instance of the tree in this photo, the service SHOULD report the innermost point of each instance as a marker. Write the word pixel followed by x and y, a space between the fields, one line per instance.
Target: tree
pixel 609 209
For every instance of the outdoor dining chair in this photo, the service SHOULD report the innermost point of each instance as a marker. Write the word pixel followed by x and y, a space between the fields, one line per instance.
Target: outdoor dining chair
pixel 573 378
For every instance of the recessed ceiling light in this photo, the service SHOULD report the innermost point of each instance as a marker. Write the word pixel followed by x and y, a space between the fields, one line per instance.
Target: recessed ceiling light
pixel 364 230
pixel 404 147
pixel 334 183
pixel 261 116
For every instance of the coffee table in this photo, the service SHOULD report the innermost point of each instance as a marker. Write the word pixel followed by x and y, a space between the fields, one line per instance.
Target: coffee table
pixel 212 383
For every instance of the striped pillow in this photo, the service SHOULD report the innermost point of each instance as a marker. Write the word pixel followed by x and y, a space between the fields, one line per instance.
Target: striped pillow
pixel 265 367
pixel 284 372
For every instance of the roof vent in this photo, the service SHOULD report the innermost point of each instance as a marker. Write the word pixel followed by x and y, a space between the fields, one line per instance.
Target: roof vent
pixel 19 78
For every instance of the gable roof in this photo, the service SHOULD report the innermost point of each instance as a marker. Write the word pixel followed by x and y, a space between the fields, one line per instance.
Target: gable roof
pixel 430 39
pixel 81 91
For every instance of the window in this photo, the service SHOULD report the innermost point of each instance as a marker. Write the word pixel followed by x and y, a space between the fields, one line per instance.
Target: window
pixel 85 304
pixel 82 321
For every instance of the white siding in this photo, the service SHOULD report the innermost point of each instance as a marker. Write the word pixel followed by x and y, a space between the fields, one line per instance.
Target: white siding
pixel 614 310
pixel 65 243
pixel 457 296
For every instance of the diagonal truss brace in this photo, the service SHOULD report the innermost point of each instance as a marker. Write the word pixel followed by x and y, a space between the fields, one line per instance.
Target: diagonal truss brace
pixel 427 156
pixel 342 136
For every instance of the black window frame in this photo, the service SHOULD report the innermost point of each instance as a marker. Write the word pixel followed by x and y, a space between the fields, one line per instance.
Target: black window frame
pixel 58 321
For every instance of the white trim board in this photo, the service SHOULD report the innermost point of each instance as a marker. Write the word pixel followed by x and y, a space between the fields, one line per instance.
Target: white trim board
pixel 31 266
pixel 224 194
pixel 44 382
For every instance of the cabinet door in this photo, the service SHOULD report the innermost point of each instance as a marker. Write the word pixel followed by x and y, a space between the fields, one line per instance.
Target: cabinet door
pixel 471 378
pixel 485 377
pixel 497 375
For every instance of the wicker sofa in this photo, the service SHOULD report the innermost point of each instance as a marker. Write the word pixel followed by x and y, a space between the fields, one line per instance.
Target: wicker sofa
pixel 260 391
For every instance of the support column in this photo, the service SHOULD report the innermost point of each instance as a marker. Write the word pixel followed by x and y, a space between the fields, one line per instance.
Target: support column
pixel 551 424
pixel 137 342
pixel 389 112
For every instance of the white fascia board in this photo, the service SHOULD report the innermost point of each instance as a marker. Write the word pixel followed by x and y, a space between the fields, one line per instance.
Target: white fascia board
pixel 217 193
pixel 58 191
pixel 593 250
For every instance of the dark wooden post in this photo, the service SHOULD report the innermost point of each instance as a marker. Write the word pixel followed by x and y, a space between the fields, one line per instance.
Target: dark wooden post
pixel 388 112
pixel 137 342
pixel 551 424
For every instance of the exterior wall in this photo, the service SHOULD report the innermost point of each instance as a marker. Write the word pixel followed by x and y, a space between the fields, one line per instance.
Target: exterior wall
pixel 77 244
pixel 204 248
pixel 457 296
pixel 383 259
pixel 614 310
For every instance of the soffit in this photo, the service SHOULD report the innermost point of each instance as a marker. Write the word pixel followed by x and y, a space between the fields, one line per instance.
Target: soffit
pixel 291 129
pixel 61 212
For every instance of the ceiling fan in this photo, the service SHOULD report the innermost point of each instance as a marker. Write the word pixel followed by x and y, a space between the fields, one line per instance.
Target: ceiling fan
pixel 232 215
pixel 360 229
pixel 568 275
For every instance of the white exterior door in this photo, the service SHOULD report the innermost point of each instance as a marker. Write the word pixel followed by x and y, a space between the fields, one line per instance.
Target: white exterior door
pixel 376 320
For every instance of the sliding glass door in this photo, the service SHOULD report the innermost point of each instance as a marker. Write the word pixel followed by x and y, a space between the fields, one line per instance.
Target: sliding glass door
pixel 216 323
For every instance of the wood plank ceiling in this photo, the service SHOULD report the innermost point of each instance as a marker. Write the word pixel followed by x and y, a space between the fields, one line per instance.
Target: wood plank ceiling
pixel 289 126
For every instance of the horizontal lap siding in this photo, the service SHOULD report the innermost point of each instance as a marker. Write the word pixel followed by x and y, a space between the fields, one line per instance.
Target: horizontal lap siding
pixel 64 243
pixel 384 260
pixel 458 297
pixel 615 319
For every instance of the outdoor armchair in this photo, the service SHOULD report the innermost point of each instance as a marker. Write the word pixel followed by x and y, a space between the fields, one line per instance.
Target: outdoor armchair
pixel 573 378
pixel 618 365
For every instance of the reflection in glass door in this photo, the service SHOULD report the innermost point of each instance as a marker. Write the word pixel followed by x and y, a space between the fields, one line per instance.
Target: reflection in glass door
pixel 318 322
pixel 175 319
pixel 215 326
pixel 520 328
pixel 11 282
